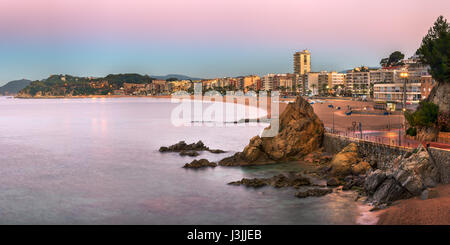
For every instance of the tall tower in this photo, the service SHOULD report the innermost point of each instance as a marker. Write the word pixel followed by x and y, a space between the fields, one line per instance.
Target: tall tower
pixel 302 62
pixel 302 66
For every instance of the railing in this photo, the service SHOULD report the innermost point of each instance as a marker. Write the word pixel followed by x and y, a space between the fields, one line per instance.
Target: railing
pixel 383 140
pixel 391 140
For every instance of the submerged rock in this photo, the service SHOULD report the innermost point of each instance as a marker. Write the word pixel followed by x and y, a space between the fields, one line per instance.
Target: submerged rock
pixel 189 153
pixel 300 133
pixel 278 181
pixel 317 192
pixel 189 149
pixel 200 164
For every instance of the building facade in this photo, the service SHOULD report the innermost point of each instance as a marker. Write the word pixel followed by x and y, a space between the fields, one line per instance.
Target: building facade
pixel 302 62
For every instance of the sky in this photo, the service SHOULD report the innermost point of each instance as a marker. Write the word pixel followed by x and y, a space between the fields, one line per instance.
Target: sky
pixel 204 38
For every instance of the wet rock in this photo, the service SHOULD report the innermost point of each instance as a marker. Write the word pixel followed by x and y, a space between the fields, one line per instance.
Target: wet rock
pixel 189 153
pixel 333 182
pixel 409 177
pixel 300 133
pixel 188 149
pixel 295 180
pixel 216 151
pixel 313 192
pixel 389 191
pixel 200 164
pixel 250 182
pixel 373 180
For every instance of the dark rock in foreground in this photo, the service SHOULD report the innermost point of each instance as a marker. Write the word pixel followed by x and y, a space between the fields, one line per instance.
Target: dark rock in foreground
pixel 189 153
pixel 200 164
pixel 182 146
pixel 313 192
pixel 282 180
pixel 189 149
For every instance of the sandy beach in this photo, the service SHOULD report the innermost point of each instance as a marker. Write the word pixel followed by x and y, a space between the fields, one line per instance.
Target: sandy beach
pixel 434 211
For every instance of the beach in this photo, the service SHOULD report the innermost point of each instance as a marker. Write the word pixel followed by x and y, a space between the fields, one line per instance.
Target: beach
pixel 414 211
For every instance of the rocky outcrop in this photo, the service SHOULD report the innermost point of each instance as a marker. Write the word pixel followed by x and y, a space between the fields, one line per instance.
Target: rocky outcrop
pixel 427 133
pixel 316 192
pixel 440 95
pixel 410 176
pixel 295 180
pixel 189 149
pixel 347 162
pixel 200 164
pixel 300 133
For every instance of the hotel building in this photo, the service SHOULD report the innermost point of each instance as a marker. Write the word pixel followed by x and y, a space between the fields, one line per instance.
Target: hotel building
pixel 302 62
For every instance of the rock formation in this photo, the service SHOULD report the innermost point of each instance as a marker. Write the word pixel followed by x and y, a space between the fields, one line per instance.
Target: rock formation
pixel 189 149
pixel 316 192
pixel 282 180
pixel 300 133
pixel 347 162
pixel 200 164
pixel 410 176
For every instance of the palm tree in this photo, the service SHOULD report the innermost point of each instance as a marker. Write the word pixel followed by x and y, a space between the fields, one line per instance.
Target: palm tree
pixel 314 88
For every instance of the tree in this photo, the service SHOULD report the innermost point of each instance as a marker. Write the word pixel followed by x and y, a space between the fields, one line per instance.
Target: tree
pixel 435 50
pixel 393 60
pixel 171 79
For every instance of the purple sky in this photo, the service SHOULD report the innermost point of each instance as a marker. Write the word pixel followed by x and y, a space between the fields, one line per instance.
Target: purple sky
pixel 204 38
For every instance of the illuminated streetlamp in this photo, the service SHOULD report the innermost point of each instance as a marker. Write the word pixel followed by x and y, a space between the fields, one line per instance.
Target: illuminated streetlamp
pixel 403 75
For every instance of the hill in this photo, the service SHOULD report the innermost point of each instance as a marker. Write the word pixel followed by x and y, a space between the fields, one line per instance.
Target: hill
pixel 14 87
pixel 177 76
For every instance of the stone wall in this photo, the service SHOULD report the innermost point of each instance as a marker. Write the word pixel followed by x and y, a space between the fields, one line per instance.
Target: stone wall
pixel 381 155
pixel 442 159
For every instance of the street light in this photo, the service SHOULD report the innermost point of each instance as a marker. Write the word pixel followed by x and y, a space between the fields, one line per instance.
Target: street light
pixel 404 75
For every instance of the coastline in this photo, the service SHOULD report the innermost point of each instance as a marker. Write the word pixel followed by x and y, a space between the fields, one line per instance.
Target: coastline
pixel 282 101
pixel 405 212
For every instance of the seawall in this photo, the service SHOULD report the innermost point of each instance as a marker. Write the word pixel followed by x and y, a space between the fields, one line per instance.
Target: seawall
pixel 381 155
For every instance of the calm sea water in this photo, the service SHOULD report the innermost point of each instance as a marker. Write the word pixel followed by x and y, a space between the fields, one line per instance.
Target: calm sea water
pixel 96 161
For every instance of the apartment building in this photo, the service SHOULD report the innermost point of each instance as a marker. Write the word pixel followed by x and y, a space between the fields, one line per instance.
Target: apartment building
pixel 269 83
pixel 312 81
pixel 302 62
pixel 358 81
pixel 426 85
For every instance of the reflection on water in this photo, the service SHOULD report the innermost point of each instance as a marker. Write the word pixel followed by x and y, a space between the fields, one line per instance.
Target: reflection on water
pixel 86 161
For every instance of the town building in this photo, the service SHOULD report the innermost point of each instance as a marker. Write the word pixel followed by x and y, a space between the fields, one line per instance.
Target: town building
pixel 358 81
pixel 426 85
pixel 312 82
pixel 269 83
pixel 302 62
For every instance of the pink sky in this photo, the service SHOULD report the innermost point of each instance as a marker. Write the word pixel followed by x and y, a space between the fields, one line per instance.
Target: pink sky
pixel 294 24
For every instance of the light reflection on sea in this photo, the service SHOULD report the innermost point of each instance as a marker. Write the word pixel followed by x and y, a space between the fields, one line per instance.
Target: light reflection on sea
pixel 86 161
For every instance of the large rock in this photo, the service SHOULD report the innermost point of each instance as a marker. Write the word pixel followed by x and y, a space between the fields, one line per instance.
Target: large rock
pixel 295 180
pixel 317 192
pixel 440 95
pixel 342 163
pixel 409 177
pixel 189 149
pixel 300 133
pixel 200 164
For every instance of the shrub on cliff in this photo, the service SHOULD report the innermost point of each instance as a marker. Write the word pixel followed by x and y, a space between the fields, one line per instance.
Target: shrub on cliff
pixel 444 121
pixel 412 131
pixel 425 116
